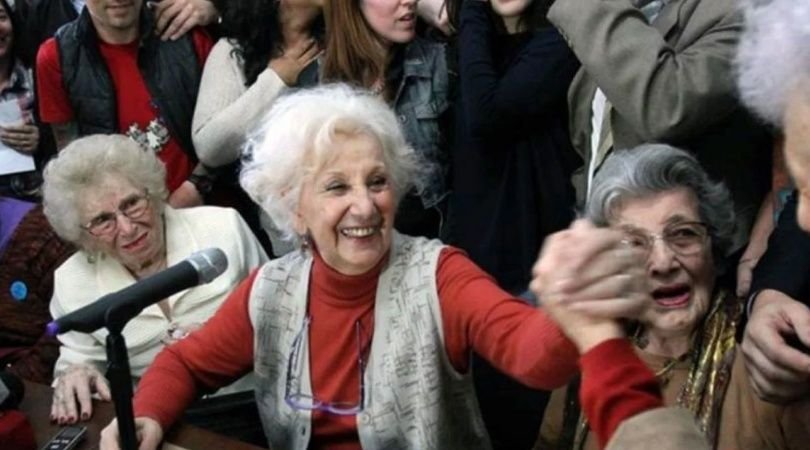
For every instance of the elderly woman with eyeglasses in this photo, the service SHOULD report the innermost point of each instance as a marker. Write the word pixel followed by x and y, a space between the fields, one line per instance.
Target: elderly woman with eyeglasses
pixel 667 207
pixel 362 339
pixel 107 196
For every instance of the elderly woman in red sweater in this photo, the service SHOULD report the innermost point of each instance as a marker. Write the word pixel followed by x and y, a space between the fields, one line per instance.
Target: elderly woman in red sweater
pixel 362 338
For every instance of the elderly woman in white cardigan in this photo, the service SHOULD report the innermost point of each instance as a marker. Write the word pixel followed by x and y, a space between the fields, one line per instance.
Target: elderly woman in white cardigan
pixel 107 196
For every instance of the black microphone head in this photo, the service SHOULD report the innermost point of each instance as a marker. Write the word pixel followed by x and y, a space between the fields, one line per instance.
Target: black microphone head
pixel 209 263
pixel 12 391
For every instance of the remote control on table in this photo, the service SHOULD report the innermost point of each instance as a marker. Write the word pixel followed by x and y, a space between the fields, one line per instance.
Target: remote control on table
pixel 66 439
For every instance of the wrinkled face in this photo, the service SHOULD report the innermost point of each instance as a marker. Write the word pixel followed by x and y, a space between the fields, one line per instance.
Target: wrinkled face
pixel 6 34
pixel 133 242
pixel 394 21
pixel 347 206
pixel 510 8
pixel 114 15
pixel 681 285
pixel 797 151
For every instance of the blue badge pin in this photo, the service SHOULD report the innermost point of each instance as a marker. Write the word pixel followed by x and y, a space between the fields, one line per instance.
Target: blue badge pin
pixel 19 290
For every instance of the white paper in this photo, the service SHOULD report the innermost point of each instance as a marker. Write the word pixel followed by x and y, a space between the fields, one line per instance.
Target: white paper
pixel 12 161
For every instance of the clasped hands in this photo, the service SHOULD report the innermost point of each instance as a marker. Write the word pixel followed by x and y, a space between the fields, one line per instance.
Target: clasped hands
pixel 587 279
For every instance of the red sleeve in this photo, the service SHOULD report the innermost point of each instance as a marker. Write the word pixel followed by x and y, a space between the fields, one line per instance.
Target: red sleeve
pixel 214 356
pixel 54 105
pixel 203 43
pixel 616 385
pixel 516 338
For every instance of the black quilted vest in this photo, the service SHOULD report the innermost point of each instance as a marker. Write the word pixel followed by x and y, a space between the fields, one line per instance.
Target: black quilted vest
pixel 170 70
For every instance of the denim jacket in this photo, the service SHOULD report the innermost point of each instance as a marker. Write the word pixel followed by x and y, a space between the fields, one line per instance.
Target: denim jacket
pixel 422 97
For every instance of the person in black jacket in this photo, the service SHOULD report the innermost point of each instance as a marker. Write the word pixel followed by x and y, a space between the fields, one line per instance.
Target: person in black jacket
pixel 511 168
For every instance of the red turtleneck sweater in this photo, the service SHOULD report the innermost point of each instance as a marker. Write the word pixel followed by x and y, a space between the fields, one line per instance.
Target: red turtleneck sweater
pixel 476 314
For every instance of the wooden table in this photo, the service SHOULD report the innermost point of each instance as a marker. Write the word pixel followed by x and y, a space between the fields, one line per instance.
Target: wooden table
pixel 37 406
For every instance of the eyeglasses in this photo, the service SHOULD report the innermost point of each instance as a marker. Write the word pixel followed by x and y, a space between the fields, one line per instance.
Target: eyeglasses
pixel 298 400
pixel 133 207
pixel 684 238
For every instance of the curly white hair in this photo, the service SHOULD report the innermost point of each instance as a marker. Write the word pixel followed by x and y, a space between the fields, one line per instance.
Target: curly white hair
pixel 773 58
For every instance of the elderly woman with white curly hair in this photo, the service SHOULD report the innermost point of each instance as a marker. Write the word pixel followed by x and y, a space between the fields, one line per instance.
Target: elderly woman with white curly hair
pixel 108 197
pixel 362 339
pixel 774 80
pixel 664 202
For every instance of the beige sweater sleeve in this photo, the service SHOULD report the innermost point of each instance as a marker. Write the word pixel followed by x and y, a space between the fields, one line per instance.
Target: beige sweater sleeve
pixel 227 111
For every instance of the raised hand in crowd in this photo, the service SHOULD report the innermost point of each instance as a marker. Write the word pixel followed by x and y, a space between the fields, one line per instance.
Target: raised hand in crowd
pixel 176 17
pixel 148 432
pixel 779 326
pixel 73 393
pixel 585 278
pixel 294 59
pixel 23 137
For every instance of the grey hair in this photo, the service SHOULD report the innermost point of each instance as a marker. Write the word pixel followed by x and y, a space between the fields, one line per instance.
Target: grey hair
pixel 773 57
pixel 83 165
pixel 650 169
pixel 296 137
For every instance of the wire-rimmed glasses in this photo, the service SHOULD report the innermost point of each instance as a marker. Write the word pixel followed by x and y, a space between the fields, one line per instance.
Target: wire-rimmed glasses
pixel 683 238
pixel 133 208
pixel 298 400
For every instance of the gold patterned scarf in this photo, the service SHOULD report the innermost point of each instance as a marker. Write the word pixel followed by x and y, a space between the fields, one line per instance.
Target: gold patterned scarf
pixel 712 356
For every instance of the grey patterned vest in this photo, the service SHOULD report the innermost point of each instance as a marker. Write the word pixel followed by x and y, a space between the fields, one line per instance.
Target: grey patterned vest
pixel 415 399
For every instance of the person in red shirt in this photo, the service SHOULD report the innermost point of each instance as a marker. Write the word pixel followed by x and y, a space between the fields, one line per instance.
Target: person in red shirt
pixel 363 338
pixel 108 72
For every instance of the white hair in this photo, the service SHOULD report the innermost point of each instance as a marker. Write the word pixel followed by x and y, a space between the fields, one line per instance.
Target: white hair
pixel 295 140
pixel 773 58
pixel 77 171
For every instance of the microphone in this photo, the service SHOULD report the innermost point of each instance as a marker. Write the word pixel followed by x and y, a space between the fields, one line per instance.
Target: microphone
pixel 199 268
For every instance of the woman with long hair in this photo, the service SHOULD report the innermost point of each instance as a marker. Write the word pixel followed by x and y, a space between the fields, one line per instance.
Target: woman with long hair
pixel 373 44
pixel 268 47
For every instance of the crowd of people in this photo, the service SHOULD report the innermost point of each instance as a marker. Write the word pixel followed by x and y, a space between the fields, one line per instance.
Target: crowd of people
pixel 508 224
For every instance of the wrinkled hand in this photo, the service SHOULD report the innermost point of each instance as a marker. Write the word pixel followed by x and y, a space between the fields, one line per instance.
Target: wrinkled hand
pixel 174 18
pixel 23 138
pixel 294 60
pixel 147 430
pixel 586 279
pixel 185 196
pixel 72 395
pixel 778 372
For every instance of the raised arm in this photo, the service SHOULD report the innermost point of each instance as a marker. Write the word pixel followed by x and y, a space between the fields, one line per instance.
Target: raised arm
pixel 666 94
pixel 514 337
pixel 226 110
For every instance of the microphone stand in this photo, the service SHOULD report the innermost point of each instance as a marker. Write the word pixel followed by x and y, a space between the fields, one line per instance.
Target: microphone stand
pixel 118 373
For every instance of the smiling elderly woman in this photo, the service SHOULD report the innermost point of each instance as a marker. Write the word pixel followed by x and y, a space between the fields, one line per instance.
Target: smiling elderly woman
pixel 362 339
pixel 667 207
pixel 107 196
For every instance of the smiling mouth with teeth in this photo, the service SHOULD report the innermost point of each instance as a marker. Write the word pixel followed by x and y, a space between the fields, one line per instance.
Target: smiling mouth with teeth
pixel 359 231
